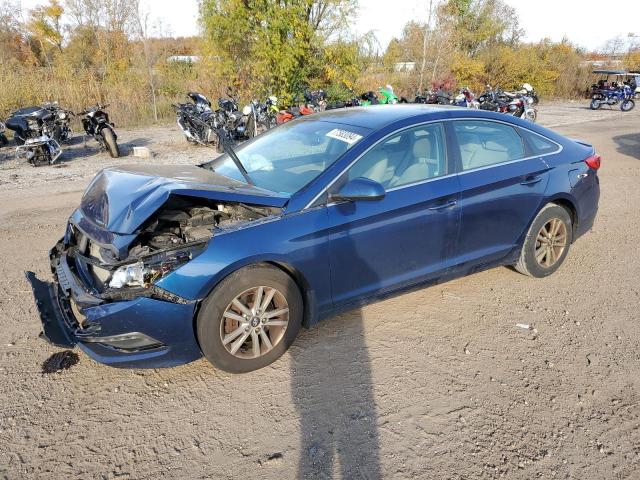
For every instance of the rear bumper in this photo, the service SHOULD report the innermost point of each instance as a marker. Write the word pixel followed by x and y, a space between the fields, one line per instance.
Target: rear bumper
pixel 140 332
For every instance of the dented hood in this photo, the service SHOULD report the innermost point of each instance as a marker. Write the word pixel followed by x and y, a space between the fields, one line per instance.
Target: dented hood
pixel 120 199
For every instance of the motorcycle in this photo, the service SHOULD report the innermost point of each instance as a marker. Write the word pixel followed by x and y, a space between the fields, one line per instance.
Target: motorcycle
pixel 3 136
pixel 622 95
pixel 528 90
pixel 197 120
pixel 264 115
pixel 522 106
pixel 237 125
pixel 313 102
pixel 62 131
pixel 466 98
pixel 37 131
pixel 95 122
pixel 369 98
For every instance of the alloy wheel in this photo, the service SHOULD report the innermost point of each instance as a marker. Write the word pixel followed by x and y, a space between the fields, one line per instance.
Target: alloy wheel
pixel 254 322
pixel 551 242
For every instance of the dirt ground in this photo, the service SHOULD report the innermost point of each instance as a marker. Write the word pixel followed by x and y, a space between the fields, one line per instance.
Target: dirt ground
pixel 437 383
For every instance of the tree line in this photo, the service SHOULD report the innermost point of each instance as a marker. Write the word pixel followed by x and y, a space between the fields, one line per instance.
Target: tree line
pixel 80 52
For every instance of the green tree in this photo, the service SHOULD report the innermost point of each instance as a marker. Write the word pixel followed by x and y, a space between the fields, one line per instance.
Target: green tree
pixel 274 45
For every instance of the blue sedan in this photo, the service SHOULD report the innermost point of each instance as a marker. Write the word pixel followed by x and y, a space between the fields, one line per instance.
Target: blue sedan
pixel 161 265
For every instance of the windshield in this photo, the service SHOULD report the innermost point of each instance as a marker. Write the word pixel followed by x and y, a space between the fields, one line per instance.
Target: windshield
pixel 290 156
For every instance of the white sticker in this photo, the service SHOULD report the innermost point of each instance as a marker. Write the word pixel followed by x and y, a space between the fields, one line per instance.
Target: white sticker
pixel 344 136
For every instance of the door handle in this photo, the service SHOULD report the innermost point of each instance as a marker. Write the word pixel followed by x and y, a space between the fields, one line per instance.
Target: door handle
pixel 531 180
pixel 442 206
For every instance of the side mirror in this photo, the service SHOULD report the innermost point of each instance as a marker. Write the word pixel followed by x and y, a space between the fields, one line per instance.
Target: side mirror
pixel 359 189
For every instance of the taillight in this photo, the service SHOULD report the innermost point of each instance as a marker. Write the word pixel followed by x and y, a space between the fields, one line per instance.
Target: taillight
pixel 593 161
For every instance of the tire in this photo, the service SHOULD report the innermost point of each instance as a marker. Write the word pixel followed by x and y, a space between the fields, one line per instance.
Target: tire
pixel 531 115
pixel 110 142
pixel 3 140
pixel 18 139
pixel 627 105
pixel 595 104
pixel 250 129
pixel 527 263
pixel 210 327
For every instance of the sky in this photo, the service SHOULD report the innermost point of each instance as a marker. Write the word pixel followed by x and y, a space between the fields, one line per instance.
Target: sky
pixel 554 19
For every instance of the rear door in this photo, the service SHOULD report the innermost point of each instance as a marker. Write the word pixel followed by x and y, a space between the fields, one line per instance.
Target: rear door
pixel 501 188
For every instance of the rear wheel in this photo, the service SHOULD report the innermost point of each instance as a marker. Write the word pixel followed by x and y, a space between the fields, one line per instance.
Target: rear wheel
pixel 110 142
pixel 3 140
pixel 250 319
pixel 547 242
pixel 595 104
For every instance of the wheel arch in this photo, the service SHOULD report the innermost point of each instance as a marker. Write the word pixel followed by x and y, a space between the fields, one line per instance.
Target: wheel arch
pixel 306 292
pixel 569 205
pixel 561 200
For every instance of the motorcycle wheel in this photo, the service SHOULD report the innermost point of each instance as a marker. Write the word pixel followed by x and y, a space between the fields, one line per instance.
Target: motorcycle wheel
pixel 110 142
pixel 18 139
pixel 531 115
pixel 627 105
pixel 3 140
pixel 595 104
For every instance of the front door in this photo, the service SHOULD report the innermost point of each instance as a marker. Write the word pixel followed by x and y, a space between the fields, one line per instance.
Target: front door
pixel 408 236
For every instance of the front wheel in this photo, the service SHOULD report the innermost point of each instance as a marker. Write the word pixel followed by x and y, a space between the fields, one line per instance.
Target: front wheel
pixel 250 319
pixel 595 104
pixel 531 115
pixel 627 105
pixel 547 242
pixel 110 142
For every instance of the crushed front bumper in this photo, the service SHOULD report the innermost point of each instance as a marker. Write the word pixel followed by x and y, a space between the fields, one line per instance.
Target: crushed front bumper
pixel 140 331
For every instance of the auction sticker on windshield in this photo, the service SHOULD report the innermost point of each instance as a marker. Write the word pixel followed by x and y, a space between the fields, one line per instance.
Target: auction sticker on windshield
pixel 344 135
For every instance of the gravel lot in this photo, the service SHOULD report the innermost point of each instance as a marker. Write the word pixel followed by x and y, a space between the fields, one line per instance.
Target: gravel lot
pixel 436 383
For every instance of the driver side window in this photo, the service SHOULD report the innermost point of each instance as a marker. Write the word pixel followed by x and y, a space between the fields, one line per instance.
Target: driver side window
pixel 410 156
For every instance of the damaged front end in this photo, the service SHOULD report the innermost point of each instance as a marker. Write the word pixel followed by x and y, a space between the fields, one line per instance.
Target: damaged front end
pixel 105 296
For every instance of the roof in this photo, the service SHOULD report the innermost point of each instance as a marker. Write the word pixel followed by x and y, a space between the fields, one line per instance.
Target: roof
pixel 378 116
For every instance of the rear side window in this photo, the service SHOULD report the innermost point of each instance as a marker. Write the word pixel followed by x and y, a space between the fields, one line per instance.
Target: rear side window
pixel 539 145
pixel 483 143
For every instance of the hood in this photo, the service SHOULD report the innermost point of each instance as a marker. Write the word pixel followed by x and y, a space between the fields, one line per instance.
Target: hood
pixel 120 199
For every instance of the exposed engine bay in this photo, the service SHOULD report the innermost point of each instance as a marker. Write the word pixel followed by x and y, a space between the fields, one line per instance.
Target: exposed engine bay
pixel 180 221
pixel 176 233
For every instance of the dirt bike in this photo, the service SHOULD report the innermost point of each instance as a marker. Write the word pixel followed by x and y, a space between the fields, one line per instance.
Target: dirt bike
pixel 622 95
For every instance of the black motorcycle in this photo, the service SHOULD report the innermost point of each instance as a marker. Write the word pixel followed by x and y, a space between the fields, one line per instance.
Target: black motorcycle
pixel 237 125
pixel 62 131
pixel 95 121
pixel 37 131
pixel 197 120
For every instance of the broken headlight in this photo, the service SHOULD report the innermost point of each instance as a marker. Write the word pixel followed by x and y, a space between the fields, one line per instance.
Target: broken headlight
pixel 145 272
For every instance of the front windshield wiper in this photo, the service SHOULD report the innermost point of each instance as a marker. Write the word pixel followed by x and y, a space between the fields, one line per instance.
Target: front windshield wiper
pixel 227 145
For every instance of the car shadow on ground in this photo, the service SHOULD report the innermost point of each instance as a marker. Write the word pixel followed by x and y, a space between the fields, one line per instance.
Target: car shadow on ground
pixel 628 144
pixel 332 389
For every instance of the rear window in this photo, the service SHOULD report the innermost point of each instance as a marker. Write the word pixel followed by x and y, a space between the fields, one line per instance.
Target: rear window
pixel 539 145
